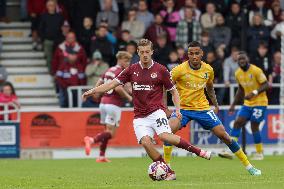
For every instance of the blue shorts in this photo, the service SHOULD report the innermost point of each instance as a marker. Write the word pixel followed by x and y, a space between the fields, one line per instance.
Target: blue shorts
pixel 254 113
pixel 207 119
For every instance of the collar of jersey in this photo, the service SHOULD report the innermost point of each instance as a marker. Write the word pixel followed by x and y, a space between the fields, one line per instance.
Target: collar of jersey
pixel 193 67
pixel 149 66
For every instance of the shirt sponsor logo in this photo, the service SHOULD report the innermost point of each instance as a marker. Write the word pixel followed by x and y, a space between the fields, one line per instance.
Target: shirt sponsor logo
pixel 138 87
pixel 195 86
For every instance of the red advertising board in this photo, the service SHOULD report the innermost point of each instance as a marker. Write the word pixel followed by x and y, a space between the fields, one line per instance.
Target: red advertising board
pixel 67 129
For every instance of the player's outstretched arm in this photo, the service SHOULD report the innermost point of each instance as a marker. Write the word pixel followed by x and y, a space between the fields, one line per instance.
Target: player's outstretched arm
pixel 123 93
pixel 211 94
pixel 176 101
pixel 263 87
pixel 101 89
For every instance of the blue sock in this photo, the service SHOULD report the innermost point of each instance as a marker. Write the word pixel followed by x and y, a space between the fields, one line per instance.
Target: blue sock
pixel 234 146
pixel 256 137
pixel 236 132
pixel 167 144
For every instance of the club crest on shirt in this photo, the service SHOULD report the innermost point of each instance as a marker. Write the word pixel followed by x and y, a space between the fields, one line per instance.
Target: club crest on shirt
pixel 206 76
pixel 154 75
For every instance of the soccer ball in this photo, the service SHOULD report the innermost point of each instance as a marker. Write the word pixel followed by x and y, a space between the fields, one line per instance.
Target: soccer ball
pixel 158 171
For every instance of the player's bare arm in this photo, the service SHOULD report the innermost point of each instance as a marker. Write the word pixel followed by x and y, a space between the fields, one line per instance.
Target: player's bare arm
pixel 101 89
pixel 99 82
pixel 211 94
pixel 176 101
pixel 238 98
pixel 264 87
pixel 123 93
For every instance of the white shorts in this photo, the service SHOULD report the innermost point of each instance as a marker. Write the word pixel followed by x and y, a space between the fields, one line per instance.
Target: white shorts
pixel 110 114
pixel 157 122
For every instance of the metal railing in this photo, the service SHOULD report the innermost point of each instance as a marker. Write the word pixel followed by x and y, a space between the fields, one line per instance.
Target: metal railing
pixel 80 89
pixel 6 112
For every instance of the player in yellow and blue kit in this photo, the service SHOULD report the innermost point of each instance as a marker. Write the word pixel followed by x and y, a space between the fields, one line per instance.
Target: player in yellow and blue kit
pixel 252 89
pixel 191 78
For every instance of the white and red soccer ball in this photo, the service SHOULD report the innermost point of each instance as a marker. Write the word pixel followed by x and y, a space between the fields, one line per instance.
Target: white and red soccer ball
pixel 158 171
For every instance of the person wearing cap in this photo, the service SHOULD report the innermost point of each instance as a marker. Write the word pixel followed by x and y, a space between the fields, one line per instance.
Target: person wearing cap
pixel 95 68
pixel 69 73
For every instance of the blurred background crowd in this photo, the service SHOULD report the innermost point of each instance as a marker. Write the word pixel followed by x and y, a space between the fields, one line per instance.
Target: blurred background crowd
pixel 80 38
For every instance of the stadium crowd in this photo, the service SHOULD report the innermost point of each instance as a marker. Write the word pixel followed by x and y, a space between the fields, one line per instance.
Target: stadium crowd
pixel 81 38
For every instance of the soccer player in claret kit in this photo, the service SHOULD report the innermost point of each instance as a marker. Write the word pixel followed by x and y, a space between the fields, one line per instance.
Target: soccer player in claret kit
pixel 252 89
pixel 110 105
pixel 148 80
pixel 191 78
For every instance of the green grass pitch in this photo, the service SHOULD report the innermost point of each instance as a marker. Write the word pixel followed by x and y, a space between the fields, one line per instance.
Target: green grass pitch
pixel 131 173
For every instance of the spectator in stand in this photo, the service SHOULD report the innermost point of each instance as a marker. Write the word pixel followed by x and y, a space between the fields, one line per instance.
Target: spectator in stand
pixel 136 27
pixel 132 49
pixel 3 5
pixel 188 29
pixel 182 54
pixel 192 4
pixel 263 60
pixel 276 11
pixel 108 15
pixel 157 29
pixel 101 43
pixel 173 60
pixel 263 11
pixel 114 4
pixel 124 40
pixel 162 50
pixel 276 34
pixel 8 95
pixel 61 52
pixel 95 69
pixel 205 43
pixel 65 29
pixel 171 18
pixel 256 33
pixel 69 73
pixel 143 14
pixel 217 66
pixel 35 9
pixel 220 35
pixel 85 35
pixel 230 67
pixel 60 9
pixel 50 29
pixel 208 19
pixel 276 75
pixel 234 22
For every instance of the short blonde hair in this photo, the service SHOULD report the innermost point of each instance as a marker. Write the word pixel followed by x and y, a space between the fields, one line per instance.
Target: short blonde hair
pixel 145 42
pixel 123 55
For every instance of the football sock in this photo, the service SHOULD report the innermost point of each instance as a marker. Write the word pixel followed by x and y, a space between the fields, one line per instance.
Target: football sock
pixel 168 148
pixel 235 133
pixel 236 149
pixel 257 142
pixel 189 147
pixel 103 138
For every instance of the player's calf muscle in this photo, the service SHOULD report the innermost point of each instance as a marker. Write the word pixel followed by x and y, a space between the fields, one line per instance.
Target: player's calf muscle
pixel 170 138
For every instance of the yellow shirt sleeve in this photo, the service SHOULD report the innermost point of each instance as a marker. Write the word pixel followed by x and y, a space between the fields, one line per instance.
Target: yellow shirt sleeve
pixel 211 75
pixel 260 77
pixel 174 74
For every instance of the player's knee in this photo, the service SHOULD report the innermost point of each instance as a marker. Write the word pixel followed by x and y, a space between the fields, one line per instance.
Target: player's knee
pixel 254 127
pixel 174 124
pixel 224 137
pixel 146 141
